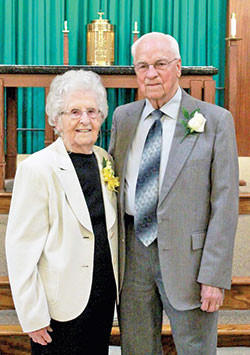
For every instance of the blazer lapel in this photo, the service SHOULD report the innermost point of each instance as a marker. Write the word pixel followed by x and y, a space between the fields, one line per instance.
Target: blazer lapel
pixel 179 152
pixel 66 173
pixel 108 196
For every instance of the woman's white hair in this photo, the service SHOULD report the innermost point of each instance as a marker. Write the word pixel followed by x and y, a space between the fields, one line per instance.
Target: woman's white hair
pixel 172 44
pixel 73 80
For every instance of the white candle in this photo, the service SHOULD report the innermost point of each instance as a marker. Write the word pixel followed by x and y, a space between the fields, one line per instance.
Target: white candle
pixel 135 26
pixel 233 25
pixel 65 26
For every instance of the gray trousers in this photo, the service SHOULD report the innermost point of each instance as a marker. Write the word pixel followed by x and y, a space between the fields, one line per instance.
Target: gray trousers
pixel 143 299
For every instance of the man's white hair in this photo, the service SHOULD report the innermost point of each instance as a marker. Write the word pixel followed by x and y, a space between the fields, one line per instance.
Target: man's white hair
pixel 173 45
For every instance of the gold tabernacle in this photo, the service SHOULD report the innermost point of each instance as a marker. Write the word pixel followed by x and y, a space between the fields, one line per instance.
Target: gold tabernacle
pixel 100 42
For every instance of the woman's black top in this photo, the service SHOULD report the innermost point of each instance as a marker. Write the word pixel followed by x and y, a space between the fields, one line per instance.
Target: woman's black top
pixel 103 285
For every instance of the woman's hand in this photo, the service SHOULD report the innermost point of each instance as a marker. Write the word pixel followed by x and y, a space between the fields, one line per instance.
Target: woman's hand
pixel 41 336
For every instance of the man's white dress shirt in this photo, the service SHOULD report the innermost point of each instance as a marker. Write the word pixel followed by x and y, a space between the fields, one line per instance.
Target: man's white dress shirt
pixel 169 119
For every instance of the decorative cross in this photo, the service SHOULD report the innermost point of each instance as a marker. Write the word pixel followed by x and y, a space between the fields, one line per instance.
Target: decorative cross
pixel 100 14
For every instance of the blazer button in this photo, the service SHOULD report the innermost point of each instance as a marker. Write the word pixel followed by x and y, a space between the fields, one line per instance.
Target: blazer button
pixel 85 237
pixel 111 235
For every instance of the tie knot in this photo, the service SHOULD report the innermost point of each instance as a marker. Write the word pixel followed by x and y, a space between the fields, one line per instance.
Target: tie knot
pixel 156 114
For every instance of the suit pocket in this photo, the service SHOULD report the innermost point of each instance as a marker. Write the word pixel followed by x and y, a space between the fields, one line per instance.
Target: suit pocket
pixel 197 162
pixel 198 240
pixel 50 279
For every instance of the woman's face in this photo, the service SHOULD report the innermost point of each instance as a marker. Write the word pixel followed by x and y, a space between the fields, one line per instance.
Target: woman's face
pixel 80 134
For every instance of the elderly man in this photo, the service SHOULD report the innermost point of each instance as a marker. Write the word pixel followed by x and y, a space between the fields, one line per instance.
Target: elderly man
pixel 177 161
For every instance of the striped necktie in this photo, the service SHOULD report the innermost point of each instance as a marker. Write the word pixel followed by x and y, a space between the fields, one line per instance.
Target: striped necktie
pixel 147 186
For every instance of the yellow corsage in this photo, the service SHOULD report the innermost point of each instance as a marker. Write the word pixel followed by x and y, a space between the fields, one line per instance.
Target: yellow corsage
pixel 109 176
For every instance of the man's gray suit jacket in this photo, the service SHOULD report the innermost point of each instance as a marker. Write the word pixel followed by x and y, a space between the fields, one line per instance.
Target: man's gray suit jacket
pixel 198 203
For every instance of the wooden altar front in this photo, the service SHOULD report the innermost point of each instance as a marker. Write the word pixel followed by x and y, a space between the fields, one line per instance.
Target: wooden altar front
pixel 198 81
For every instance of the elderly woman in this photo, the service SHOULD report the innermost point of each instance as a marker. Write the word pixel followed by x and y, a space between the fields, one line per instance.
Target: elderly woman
pixel 61 241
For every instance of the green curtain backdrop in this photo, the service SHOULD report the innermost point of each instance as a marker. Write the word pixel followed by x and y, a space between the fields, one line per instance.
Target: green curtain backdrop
pixel 31 33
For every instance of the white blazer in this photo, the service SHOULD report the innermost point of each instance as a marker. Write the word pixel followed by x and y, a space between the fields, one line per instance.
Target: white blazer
pixel 50 240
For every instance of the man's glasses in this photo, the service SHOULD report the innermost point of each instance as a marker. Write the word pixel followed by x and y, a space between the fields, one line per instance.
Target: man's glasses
pixel 76 114
pixel 159 65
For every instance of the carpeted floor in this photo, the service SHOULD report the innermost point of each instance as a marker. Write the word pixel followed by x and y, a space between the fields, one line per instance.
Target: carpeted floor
pixel 115 350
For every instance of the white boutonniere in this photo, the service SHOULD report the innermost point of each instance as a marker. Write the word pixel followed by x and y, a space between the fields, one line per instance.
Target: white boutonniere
pixel 108 175
pixel 193 123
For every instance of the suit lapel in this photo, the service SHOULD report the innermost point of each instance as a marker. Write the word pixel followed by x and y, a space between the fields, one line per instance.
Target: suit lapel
pixel 179 152
pixel 66 173
pixel 108 196
pixel 128 129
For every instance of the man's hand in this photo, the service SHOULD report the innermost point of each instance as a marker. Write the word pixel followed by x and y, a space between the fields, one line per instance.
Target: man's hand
pixel 41 336
pixel 211 298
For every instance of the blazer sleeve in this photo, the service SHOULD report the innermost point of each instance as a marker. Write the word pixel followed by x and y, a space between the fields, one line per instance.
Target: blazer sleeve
pixel 216 262
pixel 26 235
pixel 112 143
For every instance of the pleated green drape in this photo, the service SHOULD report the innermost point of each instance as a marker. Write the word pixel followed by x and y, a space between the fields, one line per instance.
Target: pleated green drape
pixel 31 33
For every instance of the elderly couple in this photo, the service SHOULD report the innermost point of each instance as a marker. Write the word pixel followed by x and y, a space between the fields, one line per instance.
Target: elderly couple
pixel 176 160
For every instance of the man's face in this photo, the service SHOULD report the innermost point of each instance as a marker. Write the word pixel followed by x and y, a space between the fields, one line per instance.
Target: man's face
pixel 158 84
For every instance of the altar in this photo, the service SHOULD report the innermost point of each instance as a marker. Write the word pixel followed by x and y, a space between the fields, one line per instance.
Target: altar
pixel 197 81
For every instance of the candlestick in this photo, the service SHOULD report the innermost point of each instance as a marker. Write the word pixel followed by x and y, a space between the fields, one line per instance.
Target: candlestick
pixel 65 44
pixel 233 25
